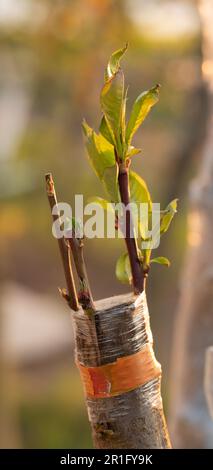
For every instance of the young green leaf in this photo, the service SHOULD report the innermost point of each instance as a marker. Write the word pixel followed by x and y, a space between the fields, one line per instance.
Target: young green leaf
pixel 105 131
pixel 168 215
pixel 123 124
pixel 106 205
pixel 87 130
pixel 112 96
pixel 132 151
pixel 140 109
pixel 110 182
pixel 146 254
pixel 100 151
pixel 123 269
pixel 139 194
pixel 114 63
pixel 161 260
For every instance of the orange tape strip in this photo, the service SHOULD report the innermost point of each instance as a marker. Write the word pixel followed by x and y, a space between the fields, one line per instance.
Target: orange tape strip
pixel 126 374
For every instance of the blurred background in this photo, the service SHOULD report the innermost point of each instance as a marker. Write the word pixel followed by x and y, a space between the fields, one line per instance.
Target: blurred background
pixel 52 59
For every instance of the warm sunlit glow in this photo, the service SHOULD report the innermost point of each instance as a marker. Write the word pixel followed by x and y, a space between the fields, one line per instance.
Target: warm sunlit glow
pixel 164 19
pixel 207 68
pixel 194 233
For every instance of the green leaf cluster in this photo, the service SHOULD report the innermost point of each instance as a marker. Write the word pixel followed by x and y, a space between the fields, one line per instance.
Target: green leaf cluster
pixel 112 147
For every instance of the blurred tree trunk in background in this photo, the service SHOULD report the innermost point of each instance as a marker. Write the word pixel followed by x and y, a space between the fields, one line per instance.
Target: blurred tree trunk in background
pixel 9 428
pixel 191 424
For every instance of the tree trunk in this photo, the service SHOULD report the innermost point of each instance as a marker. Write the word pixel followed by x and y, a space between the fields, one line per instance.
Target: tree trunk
pixel 208 379
pixel 191 424
pixel 120 374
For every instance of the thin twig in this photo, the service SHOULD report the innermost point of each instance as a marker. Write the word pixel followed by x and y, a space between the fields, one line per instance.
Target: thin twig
pixel 85 295
pixel 71 295
pixel 138 276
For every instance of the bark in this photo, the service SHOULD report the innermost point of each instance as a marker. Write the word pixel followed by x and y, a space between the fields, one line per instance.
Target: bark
pixel 208 379
pixel 191 425
pixel 124 413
